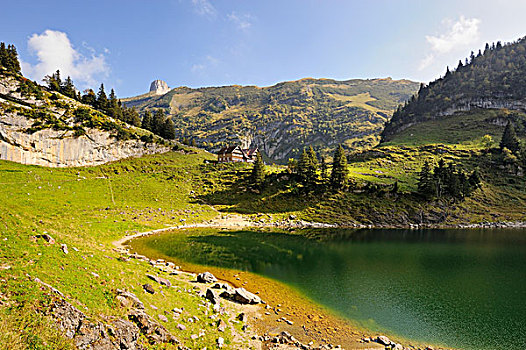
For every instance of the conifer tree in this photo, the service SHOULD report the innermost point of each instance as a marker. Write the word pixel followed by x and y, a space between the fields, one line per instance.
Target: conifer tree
pixel 68 88
pixel 324 169
pixel 53 81
pixel 340 172
pixel 257 177
pixel 158 121
pixel 3 55
pixel 168 129
pixel 102 99
pixel 426 187
pixel 147 121
pixel 89 97
pixel 509 139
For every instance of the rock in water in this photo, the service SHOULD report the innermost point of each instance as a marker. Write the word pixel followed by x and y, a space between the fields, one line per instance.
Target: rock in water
pixel 206 277
pixel 159 87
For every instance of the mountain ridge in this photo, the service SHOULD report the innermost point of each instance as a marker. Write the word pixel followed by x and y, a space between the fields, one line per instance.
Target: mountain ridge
pixel 282 118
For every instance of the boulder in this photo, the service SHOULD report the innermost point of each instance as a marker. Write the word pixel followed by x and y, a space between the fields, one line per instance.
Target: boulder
pixel 153 331
pixel 160 280
pixel 206 277
pixel 212 296
pixel 382 339
pixel 245 297
pixel 148 288
pixel 128 299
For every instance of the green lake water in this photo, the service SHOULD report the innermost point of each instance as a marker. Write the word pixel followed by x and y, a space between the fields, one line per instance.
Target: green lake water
pixel 460 288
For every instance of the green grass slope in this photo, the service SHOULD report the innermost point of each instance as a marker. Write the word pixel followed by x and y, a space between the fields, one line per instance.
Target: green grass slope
pixel 87 209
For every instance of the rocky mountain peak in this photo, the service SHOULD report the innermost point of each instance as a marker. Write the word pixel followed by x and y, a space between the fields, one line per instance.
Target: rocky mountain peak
pixel 159 87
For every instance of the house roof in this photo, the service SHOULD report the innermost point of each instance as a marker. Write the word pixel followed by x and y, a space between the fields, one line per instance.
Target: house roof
pixel 230 149
pixel 250 151
pixel 247 152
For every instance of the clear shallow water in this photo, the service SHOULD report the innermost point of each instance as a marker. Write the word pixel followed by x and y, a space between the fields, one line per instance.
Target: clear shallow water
pixel 460 288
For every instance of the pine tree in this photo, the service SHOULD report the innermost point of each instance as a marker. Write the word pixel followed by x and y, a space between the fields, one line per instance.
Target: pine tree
pixel 102 99
pixel 54 83
pixel 68 89
pixel 509 139
pixel 303 165
pixel 324 170
pixel 168 129
pixel 340 172
pixel 10 59
pixel 89 97
pixel 147 121
pixel 158 121
pixel 257 177
pixel 426 186
pixel 3 55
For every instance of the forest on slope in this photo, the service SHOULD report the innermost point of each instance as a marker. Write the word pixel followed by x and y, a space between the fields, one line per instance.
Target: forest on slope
pixel 491 79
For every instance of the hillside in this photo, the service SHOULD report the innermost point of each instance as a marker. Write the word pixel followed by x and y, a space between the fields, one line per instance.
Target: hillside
pixel 477 98
pixel 283 118
pixel 47 128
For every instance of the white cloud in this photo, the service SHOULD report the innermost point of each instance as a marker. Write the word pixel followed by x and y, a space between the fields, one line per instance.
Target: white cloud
pixel 54 51
pixel 202 67
pixel 204 8
pixel 242 21
pixel 458 35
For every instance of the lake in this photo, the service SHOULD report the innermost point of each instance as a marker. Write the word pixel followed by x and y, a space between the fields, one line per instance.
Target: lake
pixel 461 288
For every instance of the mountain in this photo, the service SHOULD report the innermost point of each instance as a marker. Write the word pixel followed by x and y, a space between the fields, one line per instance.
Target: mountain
pixel 284 118
pixel 479 97
pixel 46 128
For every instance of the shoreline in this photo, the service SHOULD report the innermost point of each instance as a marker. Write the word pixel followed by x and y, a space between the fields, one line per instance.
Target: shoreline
pixel 238 221
pixel 310 321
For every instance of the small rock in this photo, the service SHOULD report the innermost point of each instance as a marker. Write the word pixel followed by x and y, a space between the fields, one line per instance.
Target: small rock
pixel 220 342
pixel 163 318
pixel 48 238
pixel 382 339
pixel 221 325
pixel 181 327
pixel 64 248
pixel 206 277
pixel 194 336
pixel 148 288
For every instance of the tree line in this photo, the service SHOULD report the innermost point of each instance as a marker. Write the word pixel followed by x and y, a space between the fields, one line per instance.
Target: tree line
pixel 110 105
pixel 9 58
pixel 311 173
pixel 497 72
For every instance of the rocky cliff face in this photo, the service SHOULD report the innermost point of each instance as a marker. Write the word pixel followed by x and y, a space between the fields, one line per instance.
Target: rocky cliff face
pixel 159 87
pixel 63 149
pixel 44 132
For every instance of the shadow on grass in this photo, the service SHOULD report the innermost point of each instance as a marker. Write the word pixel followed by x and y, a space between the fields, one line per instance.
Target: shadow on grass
pixel 279 195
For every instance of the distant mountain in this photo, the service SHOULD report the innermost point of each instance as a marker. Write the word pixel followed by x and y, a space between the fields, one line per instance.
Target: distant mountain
pixel 284 118
pixel 478 97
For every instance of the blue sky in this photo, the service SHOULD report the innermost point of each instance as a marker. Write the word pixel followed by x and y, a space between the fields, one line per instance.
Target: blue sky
pixel 127 44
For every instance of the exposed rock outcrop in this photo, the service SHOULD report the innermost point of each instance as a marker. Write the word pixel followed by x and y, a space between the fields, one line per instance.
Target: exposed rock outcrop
pixel 50 146
pixel 159 87
pixel 54 148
